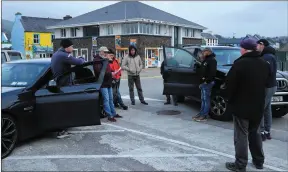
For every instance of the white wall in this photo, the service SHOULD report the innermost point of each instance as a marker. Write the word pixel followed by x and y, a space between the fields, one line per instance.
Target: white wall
pixel 197 34
pixel 211 42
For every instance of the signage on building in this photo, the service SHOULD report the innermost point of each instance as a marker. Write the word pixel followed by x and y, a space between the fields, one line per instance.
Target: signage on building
pixel 117 41
pixel 94 41
pixel 133 42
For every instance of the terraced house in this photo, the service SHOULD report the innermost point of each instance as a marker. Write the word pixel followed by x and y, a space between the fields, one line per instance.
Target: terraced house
pixel 125 23
pixel 30 36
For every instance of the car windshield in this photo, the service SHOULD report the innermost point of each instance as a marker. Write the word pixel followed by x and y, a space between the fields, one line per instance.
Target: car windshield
pixel 20 74
pixel 226 56
pixel 14 56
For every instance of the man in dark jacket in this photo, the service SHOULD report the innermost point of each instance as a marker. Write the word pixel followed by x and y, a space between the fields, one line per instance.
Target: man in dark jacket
pixel 245 88
pixel 268 54
pixel 170 62
pixel 60 63
pixel 208 73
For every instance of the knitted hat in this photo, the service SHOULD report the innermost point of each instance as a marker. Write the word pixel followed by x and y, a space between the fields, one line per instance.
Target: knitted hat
pixel 65 43
pixel 263 42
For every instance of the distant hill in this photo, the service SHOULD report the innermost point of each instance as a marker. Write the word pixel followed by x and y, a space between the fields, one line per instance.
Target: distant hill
pixel 7 27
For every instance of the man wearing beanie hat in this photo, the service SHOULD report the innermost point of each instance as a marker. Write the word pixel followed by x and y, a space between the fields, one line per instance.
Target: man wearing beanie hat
pixel 61 62
pixel 268 54
pixel 245 85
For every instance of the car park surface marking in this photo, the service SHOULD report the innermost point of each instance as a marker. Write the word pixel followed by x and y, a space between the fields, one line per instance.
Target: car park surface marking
pixel 185 144
pixel 94 131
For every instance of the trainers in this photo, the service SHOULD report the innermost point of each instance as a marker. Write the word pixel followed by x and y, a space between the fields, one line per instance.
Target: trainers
pixel 124 107
pixel 268 135
pixel 62 134
pixel 201 119
pixel 233 167
pixel 167 103
pixel 144 103
pixel 257 165
pixel 196 116
pixel 132 103
pixel 118 116
pixel 263 136
pixel 112 119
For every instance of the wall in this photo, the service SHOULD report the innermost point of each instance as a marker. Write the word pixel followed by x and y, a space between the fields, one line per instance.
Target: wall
pixel 17 35
pixel 192 41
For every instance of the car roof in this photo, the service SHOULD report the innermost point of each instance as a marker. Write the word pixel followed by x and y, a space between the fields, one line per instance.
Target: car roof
pixel 10 51
pixel 33 61
pixel 212 47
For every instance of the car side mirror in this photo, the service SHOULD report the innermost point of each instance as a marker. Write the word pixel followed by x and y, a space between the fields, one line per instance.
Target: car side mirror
pixel 52 86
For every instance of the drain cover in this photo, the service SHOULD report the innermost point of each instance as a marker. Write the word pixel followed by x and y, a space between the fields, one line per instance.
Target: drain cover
pixel 168 112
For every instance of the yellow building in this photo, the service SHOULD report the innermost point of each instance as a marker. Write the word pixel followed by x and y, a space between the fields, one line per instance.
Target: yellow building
pixel 30 36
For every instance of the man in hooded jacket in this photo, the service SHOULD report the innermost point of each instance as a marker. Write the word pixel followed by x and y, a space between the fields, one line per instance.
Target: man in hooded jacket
pixel 268 54
pixel 132 63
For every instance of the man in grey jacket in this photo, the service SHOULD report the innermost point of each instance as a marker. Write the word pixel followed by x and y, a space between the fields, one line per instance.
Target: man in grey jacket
pixel 132 63
pixel 60 63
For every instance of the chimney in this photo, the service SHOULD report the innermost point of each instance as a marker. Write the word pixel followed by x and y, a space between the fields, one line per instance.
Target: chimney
pixel 67 17
pixel 18 16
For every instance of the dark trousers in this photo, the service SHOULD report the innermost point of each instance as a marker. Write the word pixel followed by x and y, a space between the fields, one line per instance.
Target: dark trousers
pixel 116 93
pixel 243 130
pixel 168 97
pixel 135 80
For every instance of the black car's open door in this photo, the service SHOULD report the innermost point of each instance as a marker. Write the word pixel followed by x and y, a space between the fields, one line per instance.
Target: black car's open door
pixel 180 72
pixel 71 106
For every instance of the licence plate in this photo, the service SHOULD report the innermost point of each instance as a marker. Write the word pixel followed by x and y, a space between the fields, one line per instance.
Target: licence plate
pixel 277 99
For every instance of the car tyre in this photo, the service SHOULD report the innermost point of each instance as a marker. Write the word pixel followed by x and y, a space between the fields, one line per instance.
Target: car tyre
pixel 279 113
pixel 219 110
pixel 9 135
pixel 180 99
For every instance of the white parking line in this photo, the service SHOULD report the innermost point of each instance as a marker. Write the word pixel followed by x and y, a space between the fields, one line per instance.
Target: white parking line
pixel 186 144
pixel 148 99
pixel 153 155
pixel 94 131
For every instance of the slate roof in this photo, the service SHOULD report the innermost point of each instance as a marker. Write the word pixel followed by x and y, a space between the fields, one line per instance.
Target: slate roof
pixel 37 24
pixel 134 9
pixel 208 36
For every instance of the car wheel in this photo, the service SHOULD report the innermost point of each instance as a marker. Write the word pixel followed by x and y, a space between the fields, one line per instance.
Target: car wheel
pixel 9 135
pixel 278 113
pixel 218 110
pixel 180 99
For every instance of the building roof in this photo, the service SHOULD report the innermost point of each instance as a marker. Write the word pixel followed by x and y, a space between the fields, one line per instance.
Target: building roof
pixel 125 10
pixel 208 36
pixel 37 24
pixel 229 41
pixel 7 27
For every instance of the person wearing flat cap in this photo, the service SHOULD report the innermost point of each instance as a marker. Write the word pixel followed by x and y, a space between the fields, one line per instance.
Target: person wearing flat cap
pixel 208 72
pixel 61 62
pixel 246 83
pixel 268 54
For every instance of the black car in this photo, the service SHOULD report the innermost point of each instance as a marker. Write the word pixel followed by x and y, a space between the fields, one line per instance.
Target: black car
pixel 184 80
pixel 32 103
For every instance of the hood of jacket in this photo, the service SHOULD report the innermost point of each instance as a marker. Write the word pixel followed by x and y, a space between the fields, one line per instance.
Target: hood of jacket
pixel 130 48
pixel 268 50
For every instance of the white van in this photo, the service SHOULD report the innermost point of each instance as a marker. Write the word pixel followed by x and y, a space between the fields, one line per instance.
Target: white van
pixel 10 55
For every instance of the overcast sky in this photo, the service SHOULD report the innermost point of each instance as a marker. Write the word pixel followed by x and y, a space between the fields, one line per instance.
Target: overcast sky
pixel 267 18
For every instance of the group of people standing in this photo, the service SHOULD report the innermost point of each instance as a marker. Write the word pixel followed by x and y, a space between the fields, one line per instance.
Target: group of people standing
pixel 62 60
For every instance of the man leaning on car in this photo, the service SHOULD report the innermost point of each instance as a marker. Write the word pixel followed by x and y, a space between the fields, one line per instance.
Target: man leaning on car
pixel 60 63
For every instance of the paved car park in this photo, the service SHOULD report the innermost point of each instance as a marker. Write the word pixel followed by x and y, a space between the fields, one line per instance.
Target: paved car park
pixel 146 141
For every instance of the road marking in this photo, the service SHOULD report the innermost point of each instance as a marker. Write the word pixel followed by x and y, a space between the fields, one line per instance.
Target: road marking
pixel 153 155
pixel 94 131
pixel 186 144
pixel 148 99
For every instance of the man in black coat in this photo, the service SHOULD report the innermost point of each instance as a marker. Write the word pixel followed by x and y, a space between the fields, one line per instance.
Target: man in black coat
pixel 208 73
pixel 246 84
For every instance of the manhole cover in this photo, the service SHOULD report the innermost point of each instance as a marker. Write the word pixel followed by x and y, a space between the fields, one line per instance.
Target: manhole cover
pixel 168 112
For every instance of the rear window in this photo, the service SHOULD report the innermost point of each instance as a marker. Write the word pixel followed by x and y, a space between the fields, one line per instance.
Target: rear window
pixel 3 57
pixel 14 56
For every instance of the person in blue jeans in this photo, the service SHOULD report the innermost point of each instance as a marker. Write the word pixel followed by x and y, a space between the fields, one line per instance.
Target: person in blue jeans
pixel 208 73
pixel 106 87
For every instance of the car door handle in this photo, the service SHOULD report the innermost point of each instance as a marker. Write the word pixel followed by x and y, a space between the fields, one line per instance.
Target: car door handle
pixel 90 90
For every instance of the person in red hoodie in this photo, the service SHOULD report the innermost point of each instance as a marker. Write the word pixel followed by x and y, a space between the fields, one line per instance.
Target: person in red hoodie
pixel 116 75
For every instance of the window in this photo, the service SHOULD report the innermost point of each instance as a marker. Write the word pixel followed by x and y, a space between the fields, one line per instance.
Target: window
pixel 75 52
pixel 130 28
pixel 14 56
pixel 42 55
pixel 73 32
pixel 52 37
pixel 63 33
pixel 84 53
pixel 110 29
pixel 178 58
pixel 91 30
pixel 226 56
pixel 36 38
pixel 192 33
pixel 186 32
pixel 3 57
pixel 157 27
pixel 146 28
